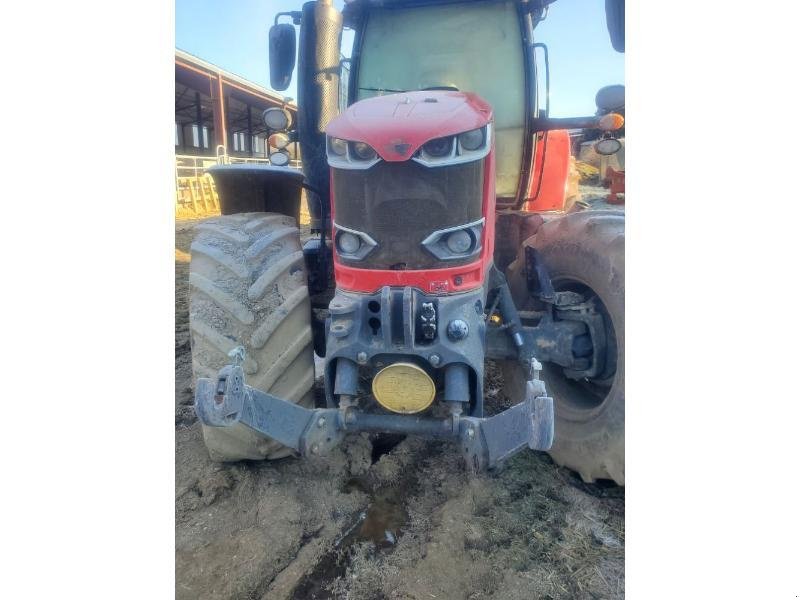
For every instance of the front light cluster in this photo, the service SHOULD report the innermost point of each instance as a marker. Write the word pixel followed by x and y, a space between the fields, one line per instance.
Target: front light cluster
pixel 454 149
pixel 450 150
pixel 352 244
pixel 455 243
pixel 350 155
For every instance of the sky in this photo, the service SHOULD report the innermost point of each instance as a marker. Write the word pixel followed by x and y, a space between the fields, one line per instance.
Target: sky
pixel 233 35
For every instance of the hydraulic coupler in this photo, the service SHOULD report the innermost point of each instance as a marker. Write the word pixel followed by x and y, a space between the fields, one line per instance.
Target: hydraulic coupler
pixel 484 442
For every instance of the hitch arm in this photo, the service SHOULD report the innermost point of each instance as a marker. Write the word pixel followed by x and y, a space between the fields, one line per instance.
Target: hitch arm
pixel 229 401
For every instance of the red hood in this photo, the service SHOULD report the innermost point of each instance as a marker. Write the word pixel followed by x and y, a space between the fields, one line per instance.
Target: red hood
pixel 396 125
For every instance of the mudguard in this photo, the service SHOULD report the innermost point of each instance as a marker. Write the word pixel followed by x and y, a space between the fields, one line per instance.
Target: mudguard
pixel 258 188
pixel 548 188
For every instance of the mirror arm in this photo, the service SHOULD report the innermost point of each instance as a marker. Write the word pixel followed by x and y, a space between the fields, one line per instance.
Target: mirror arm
pixel 546 75
pixel 550 123
pixel 296 16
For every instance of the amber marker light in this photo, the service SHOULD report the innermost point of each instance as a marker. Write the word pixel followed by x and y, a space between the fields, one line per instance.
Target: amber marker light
pixel 611 122
pixel 279 140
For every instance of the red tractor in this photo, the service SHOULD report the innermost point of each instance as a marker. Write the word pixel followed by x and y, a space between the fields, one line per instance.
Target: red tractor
pixel 437 188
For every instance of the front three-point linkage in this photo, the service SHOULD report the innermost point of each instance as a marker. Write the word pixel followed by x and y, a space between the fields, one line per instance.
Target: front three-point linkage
pixel 484 442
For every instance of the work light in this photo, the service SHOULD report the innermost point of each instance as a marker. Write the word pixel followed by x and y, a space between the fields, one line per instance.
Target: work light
pixel 279 159
pixel 277 119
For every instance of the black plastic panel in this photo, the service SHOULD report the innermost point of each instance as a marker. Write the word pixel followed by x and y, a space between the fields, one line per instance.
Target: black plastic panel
pixel 400 204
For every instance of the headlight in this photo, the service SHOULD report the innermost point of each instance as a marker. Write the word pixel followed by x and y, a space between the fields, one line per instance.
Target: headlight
pixel 464 147
pixel 345 154
pixel 459 242
pixel 352 244
pixel 337 146
pixel 608 146
pixel 471 140
pixel 456 243
pixel 279 159
pixel 363 151
pixel 348 243
pixel 439 147
pixel 277 119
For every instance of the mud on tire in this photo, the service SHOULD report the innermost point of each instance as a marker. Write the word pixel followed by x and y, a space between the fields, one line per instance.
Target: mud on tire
pixel 583 252
pixel 248 288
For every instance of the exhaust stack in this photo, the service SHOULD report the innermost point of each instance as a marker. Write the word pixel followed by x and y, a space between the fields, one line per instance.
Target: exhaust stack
pixel 318 99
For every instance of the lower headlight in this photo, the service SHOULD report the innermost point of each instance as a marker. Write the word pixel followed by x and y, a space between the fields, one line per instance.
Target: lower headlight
pixel 403 388
pixel 348 243
pixel 459 242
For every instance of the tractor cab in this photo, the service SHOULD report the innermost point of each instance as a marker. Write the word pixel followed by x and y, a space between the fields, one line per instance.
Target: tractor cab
pixel 478 47
pixel 485 47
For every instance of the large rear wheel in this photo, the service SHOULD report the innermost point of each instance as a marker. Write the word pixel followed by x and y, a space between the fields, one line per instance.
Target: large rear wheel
pixel 584 252
pixel 249 288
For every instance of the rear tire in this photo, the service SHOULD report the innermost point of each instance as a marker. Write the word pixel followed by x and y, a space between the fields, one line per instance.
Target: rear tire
pixel 249 288
pixel 584 252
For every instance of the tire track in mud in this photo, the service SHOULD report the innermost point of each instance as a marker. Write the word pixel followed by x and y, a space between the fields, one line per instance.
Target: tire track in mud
pixel 389 482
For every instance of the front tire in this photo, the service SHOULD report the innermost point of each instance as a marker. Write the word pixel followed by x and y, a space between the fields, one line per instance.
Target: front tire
pixel 583 252
pixel 249 288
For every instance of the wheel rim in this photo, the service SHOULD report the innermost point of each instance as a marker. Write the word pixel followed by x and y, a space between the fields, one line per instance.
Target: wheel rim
pixel 580 400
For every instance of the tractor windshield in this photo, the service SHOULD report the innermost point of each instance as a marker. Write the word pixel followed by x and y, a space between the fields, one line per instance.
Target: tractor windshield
pixel 474 47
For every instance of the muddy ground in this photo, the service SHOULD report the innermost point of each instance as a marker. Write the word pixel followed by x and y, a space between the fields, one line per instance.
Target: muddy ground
pixel 383 517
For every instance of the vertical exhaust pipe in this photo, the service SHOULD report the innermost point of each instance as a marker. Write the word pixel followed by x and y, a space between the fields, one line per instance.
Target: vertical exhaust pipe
pixel 318 99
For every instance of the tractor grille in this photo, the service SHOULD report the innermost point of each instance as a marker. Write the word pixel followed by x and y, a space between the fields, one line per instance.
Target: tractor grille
pixel 400 204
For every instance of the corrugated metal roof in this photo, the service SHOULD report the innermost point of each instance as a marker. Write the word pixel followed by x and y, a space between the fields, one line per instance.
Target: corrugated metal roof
pixel 211 67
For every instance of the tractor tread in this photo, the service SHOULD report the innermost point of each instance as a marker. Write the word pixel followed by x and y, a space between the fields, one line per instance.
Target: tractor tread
pixel 224 299
pixel 263 332
pixel 259 248
pixel 264 283
pixel 219 256
pixel 274 325
pixel 223 231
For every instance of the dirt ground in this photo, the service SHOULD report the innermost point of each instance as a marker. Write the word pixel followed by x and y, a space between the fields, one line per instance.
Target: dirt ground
pixel 383 517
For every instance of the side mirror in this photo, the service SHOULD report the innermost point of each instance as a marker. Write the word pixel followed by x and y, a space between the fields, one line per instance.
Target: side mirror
pixel 615 21
pixel 282 51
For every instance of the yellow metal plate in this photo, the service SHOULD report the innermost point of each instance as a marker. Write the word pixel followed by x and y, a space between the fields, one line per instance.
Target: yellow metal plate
pixel 403 388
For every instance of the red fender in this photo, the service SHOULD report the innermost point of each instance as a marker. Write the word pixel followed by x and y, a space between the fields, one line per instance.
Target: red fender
pixel 548 187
